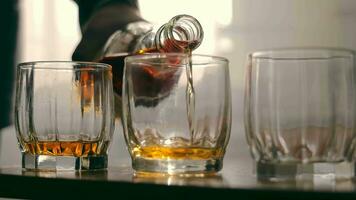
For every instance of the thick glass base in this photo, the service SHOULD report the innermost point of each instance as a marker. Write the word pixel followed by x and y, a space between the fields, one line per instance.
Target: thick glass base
pixel 57 163
pixel 303 171
pixel 177 167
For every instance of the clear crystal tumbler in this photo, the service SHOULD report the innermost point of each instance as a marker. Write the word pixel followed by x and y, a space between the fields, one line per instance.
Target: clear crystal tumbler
pixel 300 107
pixel 176 115
pixel 64 115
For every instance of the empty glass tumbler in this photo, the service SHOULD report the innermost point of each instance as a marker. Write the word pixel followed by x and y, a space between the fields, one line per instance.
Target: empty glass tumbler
pixel 176 116
pixel 300 112
pixel 64 115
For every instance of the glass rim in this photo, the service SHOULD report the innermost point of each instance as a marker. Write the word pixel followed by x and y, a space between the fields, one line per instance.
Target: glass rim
pixel 65 65
pixel 302 53
pixel 214 59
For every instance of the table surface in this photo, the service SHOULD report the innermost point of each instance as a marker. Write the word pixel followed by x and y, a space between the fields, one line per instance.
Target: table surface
pixel 236 178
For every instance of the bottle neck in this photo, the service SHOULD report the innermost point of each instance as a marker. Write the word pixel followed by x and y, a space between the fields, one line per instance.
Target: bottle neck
pixel 124 41
pixel 182 33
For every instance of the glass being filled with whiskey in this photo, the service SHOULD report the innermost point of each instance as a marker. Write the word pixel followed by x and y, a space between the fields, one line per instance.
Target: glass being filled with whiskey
pixel 300 111
pixel 64 115
pixel 176 112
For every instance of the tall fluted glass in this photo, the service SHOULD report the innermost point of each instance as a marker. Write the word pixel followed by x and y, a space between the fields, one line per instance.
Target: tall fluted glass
pixel 300 107
pixel 64 115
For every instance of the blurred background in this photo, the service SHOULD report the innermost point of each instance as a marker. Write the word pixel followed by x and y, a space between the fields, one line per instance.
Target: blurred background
pixel 49 30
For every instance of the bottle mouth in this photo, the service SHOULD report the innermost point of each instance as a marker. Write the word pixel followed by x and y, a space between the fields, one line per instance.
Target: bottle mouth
pixel 186 29
pixel 184 32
